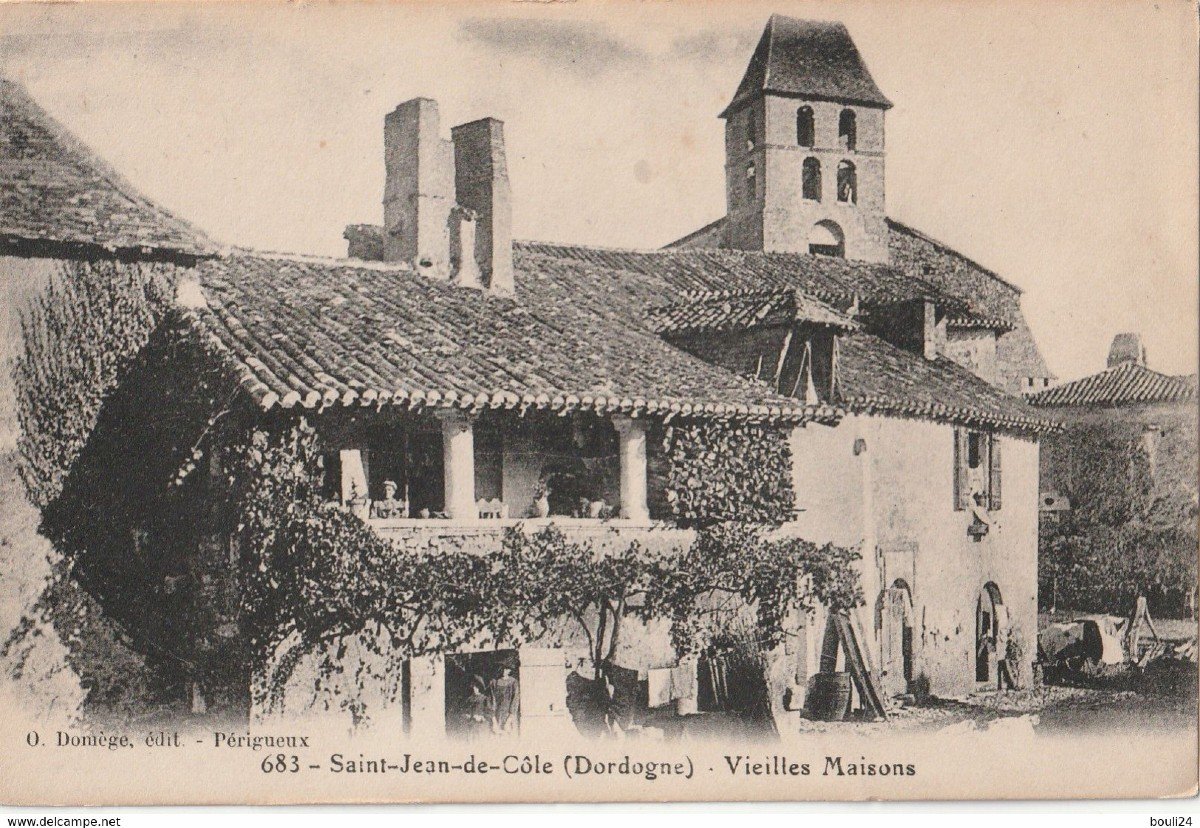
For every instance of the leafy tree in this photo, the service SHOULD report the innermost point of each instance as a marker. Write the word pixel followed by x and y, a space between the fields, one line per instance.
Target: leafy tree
pixel 1132 527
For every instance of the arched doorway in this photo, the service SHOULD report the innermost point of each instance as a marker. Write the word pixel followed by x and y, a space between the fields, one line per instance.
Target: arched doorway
pixel 991 632
pixel 894 617
pixel 827 239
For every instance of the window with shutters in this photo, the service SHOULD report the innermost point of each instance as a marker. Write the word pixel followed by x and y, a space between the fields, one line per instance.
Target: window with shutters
pixel 977 472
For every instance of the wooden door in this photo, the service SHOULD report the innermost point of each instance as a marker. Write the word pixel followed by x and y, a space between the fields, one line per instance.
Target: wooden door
pixel 895 642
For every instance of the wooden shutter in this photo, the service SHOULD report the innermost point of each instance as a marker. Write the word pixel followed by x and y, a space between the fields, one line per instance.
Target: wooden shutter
pixel 994 474
pixel 962 483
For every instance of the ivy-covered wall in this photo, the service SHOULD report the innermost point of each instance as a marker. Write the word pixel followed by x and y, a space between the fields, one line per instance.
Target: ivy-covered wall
pixel 70 331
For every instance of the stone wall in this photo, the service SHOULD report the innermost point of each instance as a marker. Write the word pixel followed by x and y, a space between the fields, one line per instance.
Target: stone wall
pixel 887 484
pixel 975 350
pixel 775 216
pixel 1145 424
pixel 1017 354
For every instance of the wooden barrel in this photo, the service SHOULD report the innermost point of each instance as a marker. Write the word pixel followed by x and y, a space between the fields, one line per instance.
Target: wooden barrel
pixel 830 697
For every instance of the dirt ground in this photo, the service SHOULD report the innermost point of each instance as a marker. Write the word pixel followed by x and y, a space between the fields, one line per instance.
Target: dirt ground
pixel 1163 697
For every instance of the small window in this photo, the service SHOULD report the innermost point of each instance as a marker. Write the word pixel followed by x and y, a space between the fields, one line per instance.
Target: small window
pixel 751 129
pixel 847 178
pixel 805 127
pixel 812 179
pixel 751 181
pixel 848 130
pixel 975 442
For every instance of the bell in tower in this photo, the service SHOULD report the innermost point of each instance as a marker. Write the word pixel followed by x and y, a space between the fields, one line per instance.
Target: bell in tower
pixel 804 147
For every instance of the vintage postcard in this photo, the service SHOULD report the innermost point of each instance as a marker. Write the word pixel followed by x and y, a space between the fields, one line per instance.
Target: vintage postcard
pixel 597 401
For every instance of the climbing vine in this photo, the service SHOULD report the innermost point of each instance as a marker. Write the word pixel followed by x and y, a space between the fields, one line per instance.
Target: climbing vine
pixel 80 335
pixel 734 568
pixel 720 471
pixel 316 575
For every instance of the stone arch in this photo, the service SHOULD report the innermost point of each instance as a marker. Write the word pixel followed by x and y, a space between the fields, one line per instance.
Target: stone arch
pixel 991 632
pixel 827 239
pixel 895 623
pixel 811 179
pixel 806 130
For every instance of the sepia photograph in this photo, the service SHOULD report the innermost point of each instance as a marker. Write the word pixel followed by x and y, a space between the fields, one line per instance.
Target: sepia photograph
pixel 598 401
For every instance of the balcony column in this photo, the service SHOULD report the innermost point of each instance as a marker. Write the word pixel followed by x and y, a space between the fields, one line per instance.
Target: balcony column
pixel 632 436
pixel 458 464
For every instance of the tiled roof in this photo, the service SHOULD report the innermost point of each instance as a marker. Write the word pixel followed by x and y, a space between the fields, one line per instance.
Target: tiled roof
pixel 741 309
pixel 314 332
pixel 876 377
pixel 56 195
pixel 1126 384
pixel 980 322
pixel 835 281
pixel 991 297
pixel 809 58
pixel 915 255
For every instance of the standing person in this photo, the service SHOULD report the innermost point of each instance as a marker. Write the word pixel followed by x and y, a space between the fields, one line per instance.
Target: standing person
pixel 479 712
pixel 505 701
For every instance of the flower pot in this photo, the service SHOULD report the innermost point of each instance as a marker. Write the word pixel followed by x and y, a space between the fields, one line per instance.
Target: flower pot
pixel 596 508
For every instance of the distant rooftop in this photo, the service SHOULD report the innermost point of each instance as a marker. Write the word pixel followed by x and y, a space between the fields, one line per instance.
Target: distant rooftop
pixel 1126 383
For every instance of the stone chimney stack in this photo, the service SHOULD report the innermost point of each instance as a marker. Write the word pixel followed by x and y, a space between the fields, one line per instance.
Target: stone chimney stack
pixel 481 185
pixel 418 192
pixel 1126 347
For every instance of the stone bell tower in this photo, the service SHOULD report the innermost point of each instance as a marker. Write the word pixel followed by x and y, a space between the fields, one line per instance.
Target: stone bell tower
pixel 804 147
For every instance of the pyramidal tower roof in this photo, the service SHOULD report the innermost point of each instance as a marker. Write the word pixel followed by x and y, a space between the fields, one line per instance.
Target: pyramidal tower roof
pixel 811 59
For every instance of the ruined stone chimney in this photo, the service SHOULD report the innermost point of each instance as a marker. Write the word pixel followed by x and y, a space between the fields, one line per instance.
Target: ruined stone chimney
pixel 1126 347
pixel 481 185
pixel 447 205
pixel 418 192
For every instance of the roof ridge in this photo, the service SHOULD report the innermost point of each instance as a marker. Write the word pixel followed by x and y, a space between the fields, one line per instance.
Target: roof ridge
pixel 1169 387
pixel 604 247
pixel 236 252
pixel 701 294
pixel 769 34
pixel 674 243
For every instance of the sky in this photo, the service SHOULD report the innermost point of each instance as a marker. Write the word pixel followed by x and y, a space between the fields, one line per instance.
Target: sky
pixel 1055 143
